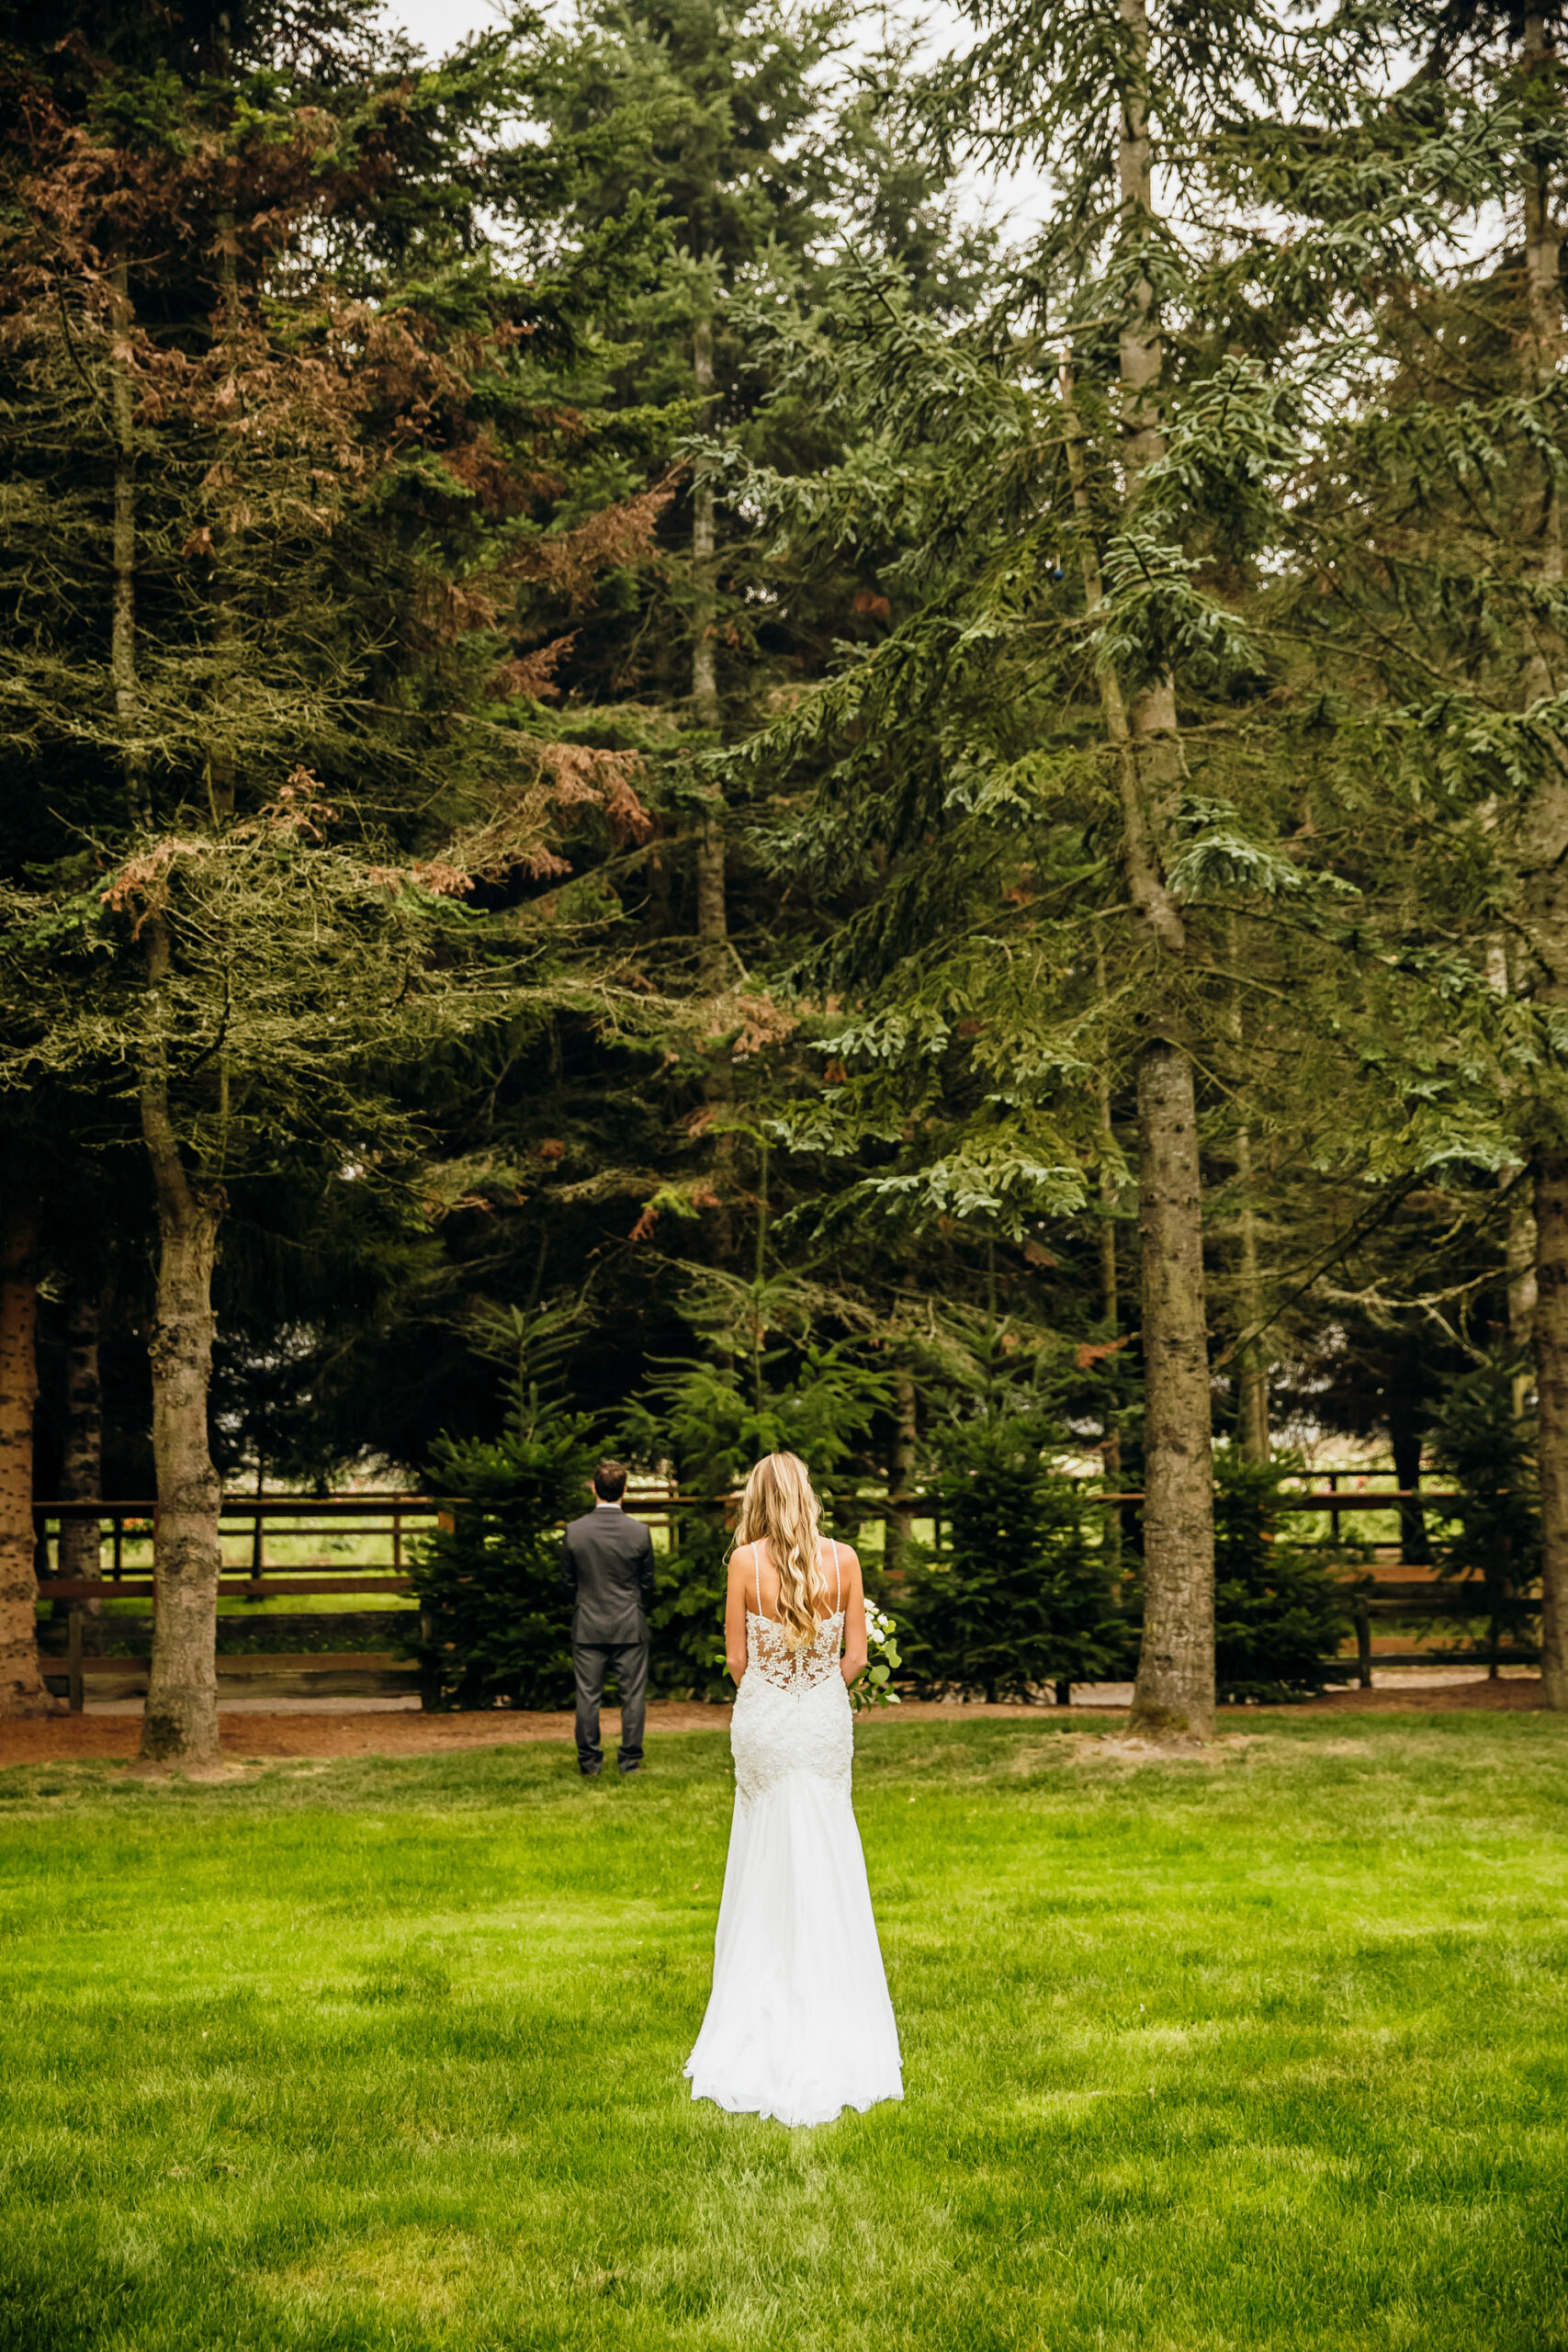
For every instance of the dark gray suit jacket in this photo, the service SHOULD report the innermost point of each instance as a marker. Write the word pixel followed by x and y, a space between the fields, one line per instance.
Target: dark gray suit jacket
pixel 606 1565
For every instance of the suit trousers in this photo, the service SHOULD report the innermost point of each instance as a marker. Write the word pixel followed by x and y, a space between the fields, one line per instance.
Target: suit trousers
pixel 628 1662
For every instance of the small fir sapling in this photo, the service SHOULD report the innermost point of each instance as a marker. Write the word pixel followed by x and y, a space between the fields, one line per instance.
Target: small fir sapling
pixel 711 1418
pixel 1020 1596
pixel 1278 1613
pixel 496 1623
pixel 1488 1447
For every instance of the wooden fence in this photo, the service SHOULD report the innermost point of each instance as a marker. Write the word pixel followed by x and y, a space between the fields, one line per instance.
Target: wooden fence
pixel 257 1525
pixel 248 1524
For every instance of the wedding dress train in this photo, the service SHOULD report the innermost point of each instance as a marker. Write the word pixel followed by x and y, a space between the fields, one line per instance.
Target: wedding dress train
pixel 799 2024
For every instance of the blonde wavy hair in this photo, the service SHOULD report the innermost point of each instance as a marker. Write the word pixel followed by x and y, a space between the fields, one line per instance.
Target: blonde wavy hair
pixel 779 1508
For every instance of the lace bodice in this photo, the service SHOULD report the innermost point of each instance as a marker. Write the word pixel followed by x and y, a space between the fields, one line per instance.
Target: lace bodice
pixel 792 1711
pixel 769 1654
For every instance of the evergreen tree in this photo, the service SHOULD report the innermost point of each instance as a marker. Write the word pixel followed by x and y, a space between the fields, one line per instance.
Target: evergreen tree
pixel 617 1152
pixel 1445 584
pixel 257 591
pixel 558 725
pixel 1020 1596
pixel 1481 1439
pixel 1279 1613
pixel 497 1625
pixel 766 1383
pixel 1080 777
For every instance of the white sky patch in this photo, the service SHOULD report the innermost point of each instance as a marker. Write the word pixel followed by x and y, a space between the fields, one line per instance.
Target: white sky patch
pixel 1015 199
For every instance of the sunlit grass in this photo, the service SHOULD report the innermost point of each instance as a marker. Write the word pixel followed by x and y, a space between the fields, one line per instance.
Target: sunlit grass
pixel 1267 2051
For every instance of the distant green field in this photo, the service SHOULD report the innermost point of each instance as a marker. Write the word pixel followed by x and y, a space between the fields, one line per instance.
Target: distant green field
pixel 337 1550
pixel 1265 2050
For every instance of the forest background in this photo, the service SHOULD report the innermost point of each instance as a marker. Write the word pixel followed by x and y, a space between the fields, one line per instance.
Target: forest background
pixel 659 792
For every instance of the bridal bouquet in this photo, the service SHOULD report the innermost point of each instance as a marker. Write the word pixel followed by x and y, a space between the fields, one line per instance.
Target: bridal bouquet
pixel 874 1688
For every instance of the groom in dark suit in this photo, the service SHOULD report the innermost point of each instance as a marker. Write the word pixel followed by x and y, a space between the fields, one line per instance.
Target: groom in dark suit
pixel 607 1562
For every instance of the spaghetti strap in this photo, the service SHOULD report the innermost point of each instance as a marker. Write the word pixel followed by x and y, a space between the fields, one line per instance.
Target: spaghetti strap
pixel 756 1578
pixel 837 1577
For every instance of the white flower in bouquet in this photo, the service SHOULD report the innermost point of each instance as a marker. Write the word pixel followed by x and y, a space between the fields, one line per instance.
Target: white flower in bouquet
pixel 875 1687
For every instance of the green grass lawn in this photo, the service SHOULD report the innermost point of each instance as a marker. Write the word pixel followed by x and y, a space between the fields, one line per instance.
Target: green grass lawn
pixel 1269 2051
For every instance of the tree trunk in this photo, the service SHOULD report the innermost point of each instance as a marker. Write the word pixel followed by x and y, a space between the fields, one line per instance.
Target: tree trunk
pixel 901 1464
pixel 220 762
pixel 21 1685
pixel 1519 1261
pixel 1404 1437
pixel 1551 1390
pixel 181 1716
pixel 1175 1689
pixel 81 1471
pixel 1544 286
pixel 719 1064
pixel 1518 1249
pixel 1110 1296
pixel 713 935
pixel 1543 851
pixel 1252 1369
pixel 1519 1264
pixel 704 682
pixel 123 612
pixel 712 923
pixel 714 960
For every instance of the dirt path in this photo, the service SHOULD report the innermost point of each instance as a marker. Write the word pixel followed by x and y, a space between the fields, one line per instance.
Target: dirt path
pixel 55 1739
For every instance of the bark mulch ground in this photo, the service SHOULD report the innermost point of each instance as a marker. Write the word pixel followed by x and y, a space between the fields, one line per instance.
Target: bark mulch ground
pixel 56 1738
pixel 1509 1691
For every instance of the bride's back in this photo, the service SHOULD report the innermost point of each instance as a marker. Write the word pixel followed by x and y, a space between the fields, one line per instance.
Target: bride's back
pixel 763 1580
pixel 799 2025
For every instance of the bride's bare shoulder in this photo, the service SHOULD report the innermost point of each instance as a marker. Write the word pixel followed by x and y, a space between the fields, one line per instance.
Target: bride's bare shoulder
pixel 838 1560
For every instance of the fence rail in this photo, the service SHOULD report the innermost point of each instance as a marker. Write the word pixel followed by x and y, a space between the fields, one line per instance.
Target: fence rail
pixel 395 1518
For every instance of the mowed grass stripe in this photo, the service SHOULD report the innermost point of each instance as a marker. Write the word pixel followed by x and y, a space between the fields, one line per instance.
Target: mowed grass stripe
pixel 1262 2051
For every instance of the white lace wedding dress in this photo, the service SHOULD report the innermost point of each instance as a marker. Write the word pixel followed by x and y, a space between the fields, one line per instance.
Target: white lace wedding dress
pixel 799 2024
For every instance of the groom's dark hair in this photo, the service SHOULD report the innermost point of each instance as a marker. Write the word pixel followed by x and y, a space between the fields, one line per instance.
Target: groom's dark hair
pixel 610 1481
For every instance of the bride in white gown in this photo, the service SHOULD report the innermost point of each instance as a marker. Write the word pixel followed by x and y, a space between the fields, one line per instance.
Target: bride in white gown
pixel 799 2024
